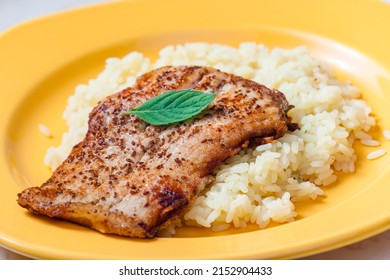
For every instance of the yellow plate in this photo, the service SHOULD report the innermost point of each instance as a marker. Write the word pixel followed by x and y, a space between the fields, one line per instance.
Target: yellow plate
pixel 43 60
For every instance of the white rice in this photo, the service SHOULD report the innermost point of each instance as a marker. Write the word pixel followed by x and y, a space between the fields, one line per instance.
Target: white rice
pixel 386 134
pixel 370 142
pixel 362 135
pixel 260 184
pixel 44 130
pixel 376 154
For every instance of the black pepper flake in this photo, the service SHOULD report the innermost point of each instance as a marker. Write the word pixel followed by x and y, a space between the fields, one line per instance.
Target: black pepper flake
pixel 159 166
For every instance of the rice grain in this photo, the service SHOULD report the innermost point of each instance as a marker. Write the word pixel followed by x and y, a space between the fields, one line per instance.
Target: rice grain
pixel 370 142
pixel 45 131
pixel 386 134
pixel 376 154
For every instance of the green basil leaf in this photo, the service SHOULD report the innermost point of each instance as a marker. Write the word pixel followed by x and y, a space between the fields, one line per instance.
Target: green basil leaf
pixel 173 106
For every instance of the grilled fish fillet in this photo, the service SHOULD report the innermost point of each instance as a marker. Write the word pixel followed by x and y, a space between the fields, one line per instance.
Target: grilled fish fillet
pixel 131 178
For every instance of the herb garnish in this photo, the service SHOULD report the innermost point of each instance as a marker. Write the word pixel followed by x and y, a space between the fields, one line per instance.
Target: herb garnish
pixel 173 106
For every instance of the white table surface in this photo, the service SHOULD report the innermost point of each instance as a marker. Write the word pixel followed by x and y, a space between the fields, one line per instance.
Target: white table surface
pixel 13 12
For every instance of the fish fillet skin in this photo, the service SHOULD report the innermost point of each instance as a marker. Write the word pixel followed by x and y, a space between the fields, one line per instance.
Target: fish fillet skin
pixel 130 178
